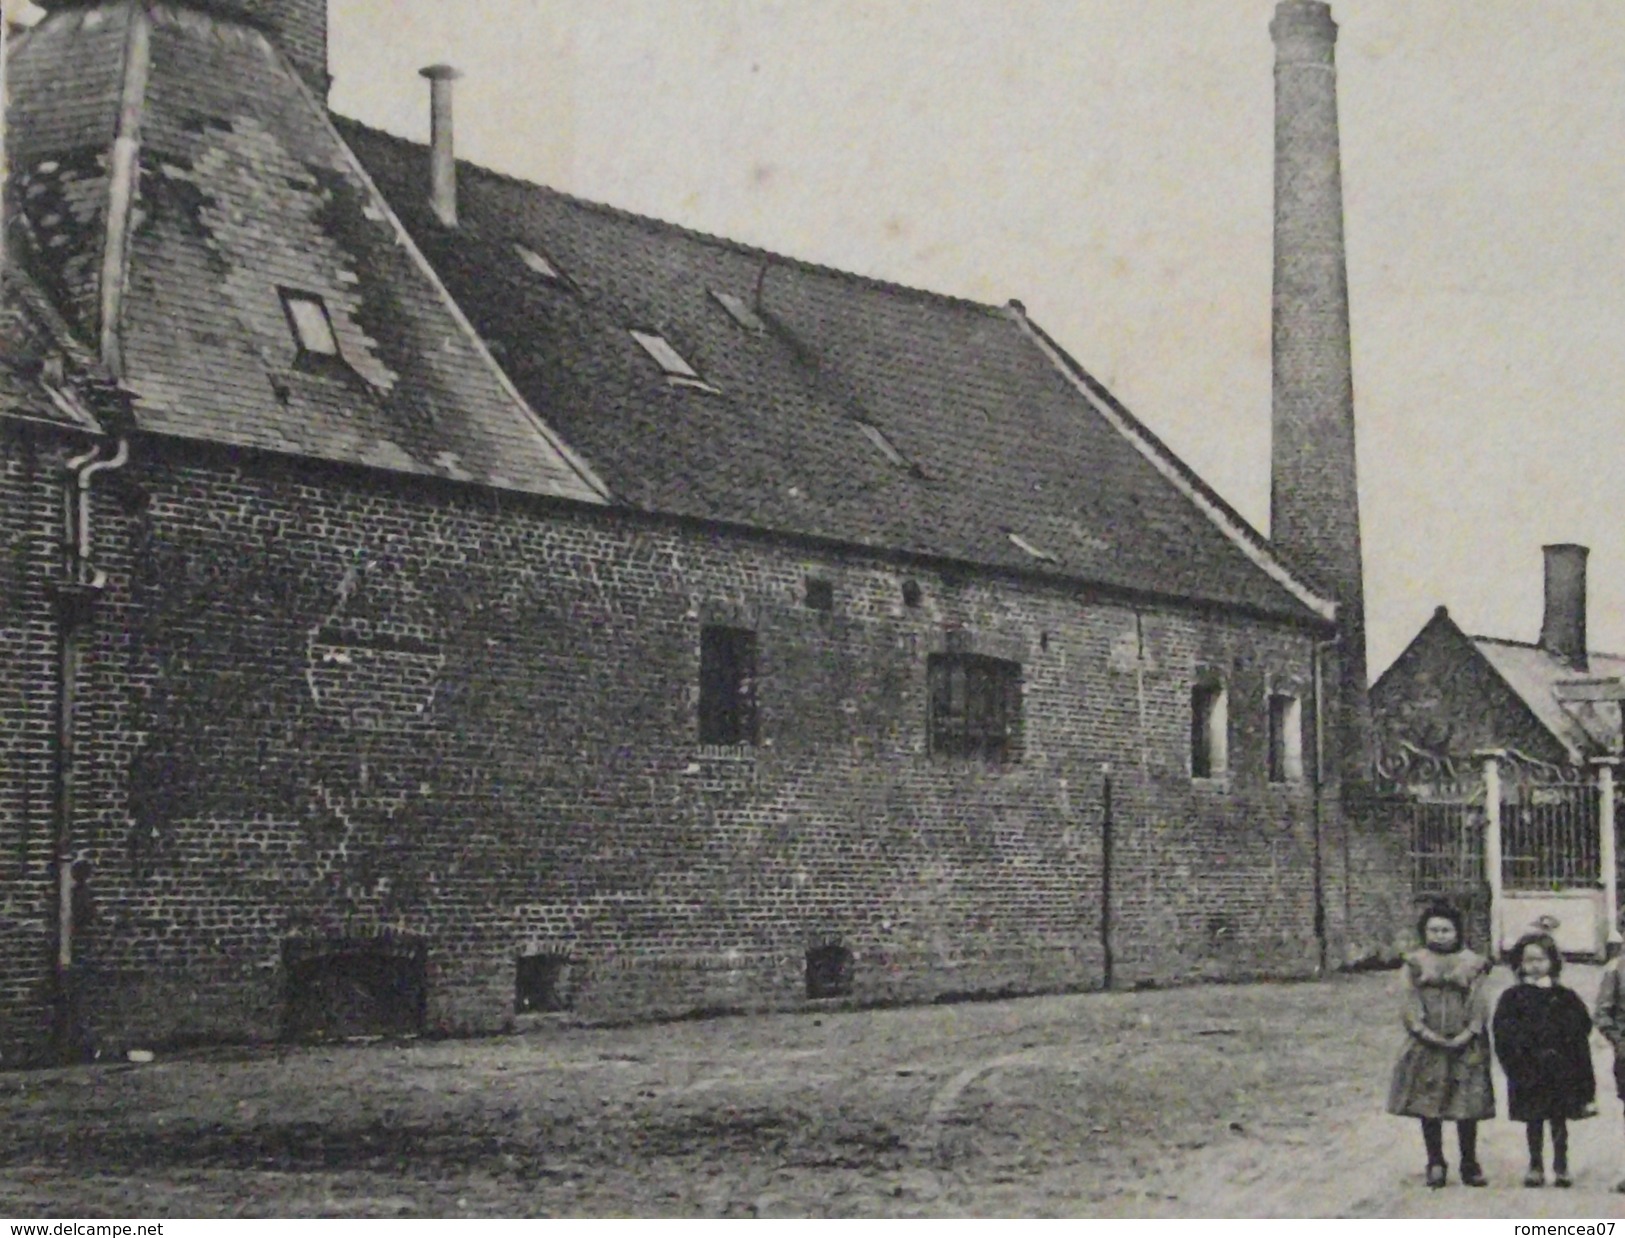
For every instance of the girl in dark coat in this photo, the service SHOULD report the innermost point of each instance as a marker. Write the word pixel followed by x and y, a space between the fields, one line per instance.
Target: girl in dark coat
pixel 1542 1033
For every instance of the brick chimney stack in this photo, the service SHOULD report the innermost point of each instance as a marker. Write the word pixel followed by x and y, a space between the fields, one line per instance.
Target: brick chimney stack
pixel 1563 627
pixel 1314 500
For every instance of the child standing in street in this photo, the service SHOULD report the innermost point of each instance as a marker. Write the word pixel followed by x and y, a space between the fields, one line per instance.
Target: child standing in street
pixel 1542 1036
pixel 1609 1014
pixel 1444 1072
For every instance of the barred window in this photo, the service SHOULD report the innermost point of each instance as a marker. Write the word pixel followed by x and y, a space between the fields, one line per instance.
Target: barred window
pixel 975 706
pixel 727 686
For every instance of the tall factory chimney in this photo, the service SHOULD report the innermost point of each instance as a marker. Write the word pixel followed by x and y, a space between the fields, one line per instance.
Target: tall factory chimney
pixel 1314 500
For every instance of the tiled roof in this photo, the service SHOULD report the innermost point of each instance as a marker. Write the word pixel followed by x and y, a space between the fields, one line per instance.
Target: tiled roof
pixel 1568 702
pixel 235 192
pixel 800 418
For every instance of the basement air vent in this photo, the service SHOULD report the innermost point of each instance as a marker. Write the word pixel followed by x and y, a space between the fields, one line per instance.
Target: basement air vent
pixel 539 983
pixel 829 971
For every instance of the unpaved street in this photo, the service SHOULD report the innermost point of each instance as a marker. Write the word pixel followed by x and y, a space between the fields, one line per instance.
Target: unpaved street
pixel 1222 1100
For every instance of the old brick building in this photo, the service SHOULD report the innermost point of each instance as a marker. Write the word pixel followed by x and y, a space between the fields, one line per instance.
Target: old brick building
pixel 431 599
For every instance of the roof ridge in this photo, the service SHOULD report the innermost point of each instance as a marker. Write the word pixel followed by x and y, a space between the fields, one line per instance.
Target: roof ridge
pixel 743 248
pixel 1529 644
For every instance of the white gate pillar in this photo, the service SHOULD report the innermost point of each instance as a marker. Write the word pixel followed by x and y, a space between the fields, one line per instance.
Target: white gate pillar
pixel 1607 852
pixel 1491 757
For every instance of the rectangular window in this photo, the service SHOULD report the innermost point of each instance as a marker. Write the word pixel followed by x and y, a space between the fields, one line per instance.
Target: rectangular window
pixel 664 355
pixel 1210 731
pixel 1285 738
pixel 312 328
pixel 741 313
pixel 727 686
pixel 975 706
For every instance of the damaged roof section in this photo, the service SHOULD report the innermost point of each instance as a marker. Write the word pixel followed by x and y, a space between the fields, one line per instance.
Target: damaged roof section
pixel 249 227
pixel 46 375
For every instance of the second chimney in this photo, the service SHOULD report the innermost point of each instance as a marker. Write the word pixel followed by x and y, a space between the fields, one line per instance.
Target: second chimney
pixel 1563 630
pixel 442 150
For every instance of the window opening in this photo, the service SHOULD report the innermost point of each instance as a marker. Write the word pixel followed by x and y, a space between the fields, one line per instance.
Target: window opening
pixel 829 971
pixel 975 706
pixel 740 312
pixel 727 686
pixel 312 328
pixel 1285 738
pixel 1209 731
pixel 536 262
pixel 820 594
pixel 539 983
pixel 665 356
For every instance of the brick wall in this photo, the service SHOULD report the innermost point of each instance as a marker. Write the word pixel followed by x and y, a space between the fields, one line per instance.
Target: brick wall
pixel 323 704
pixel 1441 695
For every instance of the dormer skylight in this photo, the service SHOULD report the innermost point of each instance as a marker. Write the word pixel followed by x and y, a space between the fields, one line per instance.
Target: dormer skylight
pixel 883 445
pixel 671 362
pixel 312 328
pixel 1037 552
pixel 536 262
pixel 741 313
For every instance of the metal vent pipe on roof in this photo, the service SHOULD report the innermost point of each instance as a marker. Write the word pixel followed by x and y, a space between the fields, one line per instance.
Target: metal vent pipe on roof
pixel 1563 627
pixel 442 150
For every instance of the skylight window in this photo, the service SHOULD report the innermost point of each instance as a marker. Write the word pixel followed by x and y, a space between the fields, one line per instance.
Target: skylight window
pixel 1037 552
pixel 741 313
pixel 312 328
pixel 536 262
pixel 665 356
pixel 883 445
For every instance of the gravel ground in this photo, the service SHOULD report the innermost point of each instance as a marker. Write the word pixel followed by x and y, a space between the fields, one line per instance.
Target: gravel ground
pixel 1245 1100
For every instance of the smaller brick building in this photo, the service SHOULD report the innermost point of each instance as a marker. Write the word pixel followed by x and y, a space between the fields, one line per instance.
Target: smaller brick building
pixel 1551 699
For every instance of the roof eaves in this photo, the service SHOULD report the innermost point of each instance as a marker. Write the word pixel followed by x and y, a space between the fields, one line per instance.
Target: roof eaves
pixel 584 472
pixel 1242 535
pixel 1574 754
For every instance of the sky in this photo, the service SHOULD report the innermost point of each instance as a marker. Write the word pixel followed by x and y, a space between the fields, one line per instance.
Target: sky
pixel 1109 164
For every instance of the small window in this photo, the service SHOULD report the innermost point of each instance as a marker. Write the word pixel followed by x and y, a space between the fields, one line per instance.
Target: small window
pixel 911 593
pixel 312 328
pixel 1285 738
pixel 665 356
pixel 1021 543
pixel 539 983
pixel 883 445
pixel 829 971
pixel 820 594
pixel 1209 731
pixel 727 686
pixel 536 262
pixel 975 706
pixel 739 311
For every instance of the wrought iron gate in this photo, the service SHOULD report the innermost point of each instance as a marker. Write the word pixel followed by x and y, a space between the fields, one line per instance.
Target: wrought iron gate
pixel 1437 805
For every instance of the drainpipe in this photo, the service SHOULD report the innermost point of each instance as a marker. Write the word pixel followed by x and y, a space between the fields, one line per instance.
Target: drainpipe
pixel 76 596
pixel 1106 845
pixel 1317 798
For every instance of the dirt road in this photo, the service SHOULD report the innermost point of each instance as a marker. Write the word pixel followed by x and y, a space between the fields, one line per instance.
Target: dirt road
pixel 1255 1100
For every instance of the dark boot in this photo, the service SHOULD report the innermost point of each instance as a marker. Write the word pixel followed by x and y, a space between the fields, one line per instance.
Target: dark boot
pixel 1534 1135
pixel 1471 1174
pixel 1433 1139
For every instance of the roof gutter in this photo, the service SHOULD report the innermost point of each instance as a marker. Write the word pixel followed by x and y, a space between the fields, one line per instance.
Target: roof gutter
pixel 1226 521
